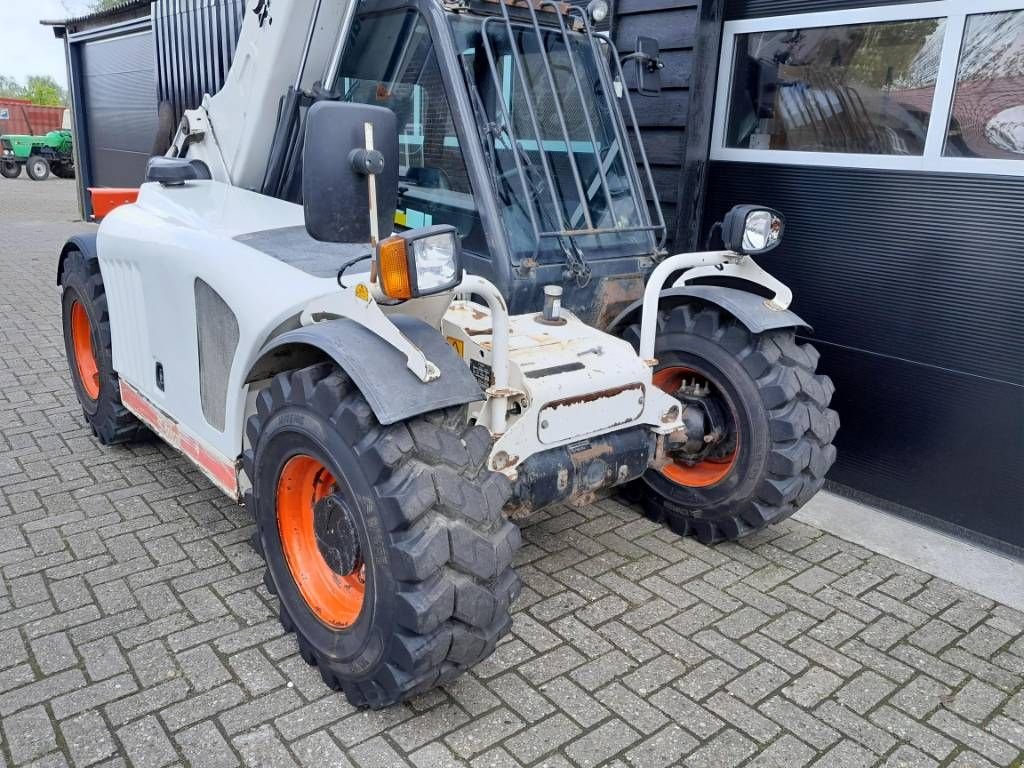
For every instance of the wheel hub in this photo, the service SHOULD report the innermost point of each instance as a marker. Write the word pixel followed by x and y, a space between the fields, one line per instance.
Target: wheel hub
pixel 336 536
pixel 704 452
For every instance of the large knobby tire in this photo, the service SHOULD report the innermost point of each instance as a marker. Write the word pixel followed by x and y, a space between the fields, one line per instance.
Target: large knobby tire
pixel 37 168
pixel 777 406
pixel 428 595
pixel 10 169
pixel 86 325
pixel 63 170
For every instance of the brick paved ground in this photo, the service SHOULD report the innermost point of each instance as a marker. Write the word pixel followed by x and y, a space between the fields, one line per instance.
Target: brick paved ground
pixel 134 627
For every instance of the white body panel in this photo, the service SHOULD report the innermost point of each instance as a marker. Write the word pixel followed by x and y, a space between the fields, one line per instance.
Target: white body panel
pixel 151 254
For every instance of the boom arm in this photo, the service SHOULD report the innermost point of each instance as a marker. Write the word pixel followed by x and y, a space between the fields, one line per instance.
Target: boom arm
pixel 283 43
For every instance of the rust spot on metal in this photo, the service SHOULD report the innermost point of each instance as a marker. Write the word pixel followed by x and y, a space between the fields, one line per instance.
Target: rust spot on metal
pixel 592 396
pixel 613 295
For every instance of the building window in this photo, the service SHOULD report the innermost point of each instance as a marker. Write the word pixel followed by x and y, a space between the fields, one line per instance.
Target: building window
pixel 987 118
pixel 864 88
pixel 928 86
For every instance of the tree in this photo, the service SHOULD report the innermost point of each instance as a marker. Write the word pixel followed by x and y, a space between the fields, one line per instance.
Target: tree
pixel 102 5
pixel 10 88
pixel 43 89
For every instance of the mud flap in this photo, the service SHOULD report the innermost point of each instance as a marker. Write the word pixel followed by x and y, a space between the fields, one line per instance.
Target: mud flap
pixel 752 310
pixel 378 369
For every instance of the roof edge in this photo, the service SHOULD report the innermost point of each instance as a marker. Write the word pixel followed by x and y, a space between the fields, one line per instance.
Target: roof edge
pixel 126 8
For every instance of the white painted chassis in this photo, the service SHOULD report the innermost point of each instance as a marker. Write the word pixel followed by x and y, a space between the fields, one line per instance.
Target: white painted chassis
pixel 151 253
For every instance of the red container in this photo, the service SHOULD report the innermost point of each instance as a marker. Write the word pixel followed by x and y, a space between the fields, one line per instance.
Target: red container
pixel 21 117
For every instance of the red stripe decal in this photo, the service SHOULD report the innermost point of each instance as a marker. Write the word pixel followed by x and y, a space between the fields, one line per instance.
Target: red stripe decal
pixel 219 469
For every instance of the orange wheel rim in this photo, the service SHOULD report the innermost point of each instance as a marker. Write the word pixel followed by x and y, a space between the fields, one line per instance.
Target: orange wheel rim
pixel 700 474
pixel 85 356
pixel 336 600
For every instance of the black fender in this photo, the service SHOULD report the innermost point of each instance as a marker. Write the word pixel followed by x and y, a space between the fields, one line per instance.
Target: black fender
pixel 85 243
pixel 749 308
pixel 379 370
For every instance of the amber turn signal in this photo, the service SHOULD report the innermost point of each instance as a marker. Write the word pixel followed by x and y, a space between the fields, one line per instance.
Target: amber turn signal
pixel 393 268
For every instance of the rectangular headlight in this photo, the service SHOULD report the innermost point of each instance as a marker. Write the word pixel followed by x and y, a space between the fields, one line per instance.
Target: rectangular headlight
pixel 419 262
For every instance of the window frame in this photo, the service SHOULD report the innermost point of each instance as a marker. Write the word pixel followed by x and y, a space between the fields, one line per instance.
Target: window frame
pixel 955 13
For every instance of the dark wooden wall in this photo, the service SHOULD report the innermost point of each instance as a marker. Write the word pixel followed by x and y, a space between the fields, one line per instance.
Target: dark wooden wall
pixel 662 118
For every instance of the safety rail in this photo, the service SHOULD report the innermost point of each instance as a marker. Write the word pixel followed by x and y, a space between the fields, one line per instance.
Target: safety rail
pixel 566 228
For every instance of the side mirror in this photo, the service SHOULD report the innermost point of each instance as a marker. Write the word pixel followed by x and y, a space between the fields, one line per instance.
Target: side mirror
pixel 752 229
pixel 647 66
pixel 337 164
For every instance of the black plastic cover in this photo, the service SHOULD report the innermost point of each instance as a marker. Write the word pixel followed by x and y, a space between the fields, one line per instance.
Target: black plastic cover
pixel 170 171
pixel 378 369
pixel 336 198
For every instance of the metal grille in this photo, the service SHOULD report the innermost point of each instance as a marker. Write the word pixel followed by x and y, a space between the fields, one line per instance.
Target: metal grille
pixel 551 117
pixel 195 43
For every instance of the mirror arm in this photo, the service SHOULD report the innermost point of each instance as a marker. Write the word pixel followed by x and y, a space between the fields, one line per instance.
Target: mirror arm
pixel 653 63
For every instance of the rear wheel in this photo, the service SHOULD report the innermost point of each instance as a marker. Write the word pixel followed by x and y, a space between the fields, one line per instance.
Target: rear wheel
pixel 63 170
pixel 386 545
pixel 87 346
pixel 38 168
pixel 769 428
pixel 10 169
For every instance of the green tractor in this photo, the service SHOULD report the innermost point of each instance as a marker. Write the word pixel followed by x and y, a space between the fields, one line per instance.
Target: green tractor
pixel 40 155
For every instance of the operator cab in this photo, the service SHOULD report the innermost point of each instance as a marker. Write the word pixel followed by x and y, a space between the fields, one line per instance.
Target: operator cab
pixel 510 130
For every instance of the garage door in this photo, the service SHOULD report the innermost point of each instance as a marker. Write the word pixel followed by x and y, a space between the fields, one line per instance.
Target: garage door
pixel 119 92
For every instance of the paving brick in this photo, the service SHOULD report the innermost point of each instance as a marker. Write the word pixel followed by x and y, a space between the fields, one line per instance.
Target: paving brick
pixel 263 749
pixel 136 629
pixel 631 708
pixel 29 734
pixel 87 739
pixel 92 696
pixel 787 752
pixel 706 679
pixel 541 739
pixel 204 747
pixel 848 754
pixel 906 756
pixel 145 743
pixel 849 723
pixel 812 686
pixel 911 731
pixel 757 683
pixel 431 725
pixel 319 749
pixel 727 749
pixel 596 746
pixel 976 700
pixel 864 691
pixel 203 668
pixel 678 707
pixel 955 728
pixel 742 717
pixel 662 749
pixel 483 732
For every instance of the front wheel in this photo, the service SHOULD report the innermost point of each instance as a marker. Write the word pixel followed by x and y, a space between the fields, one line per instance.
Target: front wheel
pixel 769 430
pixel 38 168
pixel 10 169
pixel 386 545
pixel 87 344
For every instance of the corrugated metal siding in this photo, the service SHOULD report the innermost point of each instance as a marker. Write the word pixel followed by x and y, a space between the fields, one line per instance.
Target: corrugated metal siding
pixel 119 103
pixel 749 9
pixel 915 289
pixel 662 118
pixel 195 42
